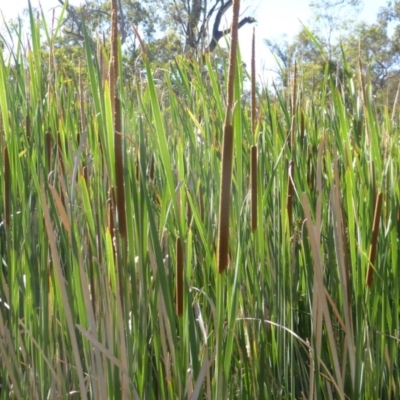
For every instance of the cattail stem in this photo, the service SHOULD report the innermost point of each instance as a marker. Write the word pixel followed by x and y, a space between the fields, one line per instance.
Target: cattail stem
pixel 81 100
pixel 253 156
pixel 253 84
pixel 114 51
pixel 232 60
pixel 110 211
pixel 227 150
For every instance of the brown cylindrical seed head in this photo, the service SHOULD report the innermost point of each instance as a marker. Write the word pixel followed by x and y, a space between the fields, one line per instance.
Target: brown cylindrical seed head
pixel 290 194
pixel 179 278
pixel 224 205
pixel 48 142
pixel 253 174
pixel 28 127
pixel 119 169
pixel 374 241
pixel 202 204
pixel 7 188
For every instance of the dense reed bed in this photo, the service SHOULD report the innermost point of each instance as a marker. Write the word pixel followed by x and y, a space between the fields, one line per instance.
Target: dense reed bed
pixel 111 285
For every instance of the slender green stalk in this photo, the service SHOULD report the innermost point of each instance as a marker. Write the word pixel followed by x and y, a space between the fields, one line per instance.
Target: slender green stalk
pixel 253 83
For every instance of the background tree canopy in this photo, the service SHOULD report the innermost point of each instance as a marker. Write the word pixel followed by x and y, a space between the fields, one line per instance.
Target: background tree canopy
pixel 168 235
pixel 168 27
pixel 194 27
pixel 334 32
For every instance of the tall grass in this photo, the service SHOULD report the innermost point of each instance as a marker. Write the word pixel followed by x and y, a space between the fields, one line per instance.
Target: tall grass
pixel 87 310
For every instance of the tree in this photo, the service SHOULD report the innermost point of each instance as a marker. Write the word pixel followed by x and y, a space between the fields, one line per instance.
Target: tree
pixel 375 45
pixel 169 28
pixel 184 23
pixel 333 19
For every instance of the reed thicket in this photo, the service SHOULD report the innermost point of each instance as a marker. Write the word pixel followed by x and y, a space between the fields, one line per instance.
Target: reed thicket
pixel 113 195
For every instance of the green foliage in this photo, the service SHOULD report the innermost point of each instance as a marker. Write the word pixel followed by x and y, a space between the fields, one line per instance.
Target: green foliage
pixel 87 312
pixel 374 46
pixel 169 27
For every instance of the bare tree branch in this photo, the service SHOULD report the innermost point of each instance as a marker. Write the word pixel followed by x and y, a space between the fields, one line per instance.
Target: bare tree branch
pixel 78 23
pixel 217 34
pixel 77 18
pixel 194 16
pixel 206 20
pixel 193 24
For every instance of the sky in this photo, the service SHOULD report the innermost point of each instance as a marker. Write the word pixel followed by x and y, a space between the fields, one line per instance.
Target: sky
pixel 274 19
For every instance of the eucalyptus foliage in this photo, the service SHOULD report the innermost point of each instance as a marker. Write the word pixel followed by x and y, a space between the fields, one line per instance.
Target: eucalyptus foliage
pixel 87 312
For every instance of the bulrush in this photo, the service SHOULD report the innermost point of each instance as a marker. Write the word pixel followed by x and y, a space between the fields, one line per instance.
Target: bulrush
pixel 201 204
pixel 253 155
pixel 224 204
pixel 179 278
pixel 119 169
pixel 28 127
pixel 253 174
pixel 290 194
pixel 227 151
pixel 253 84
pixel 7 188
pixel 48 144
pixel 118 154
pixel 374 240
